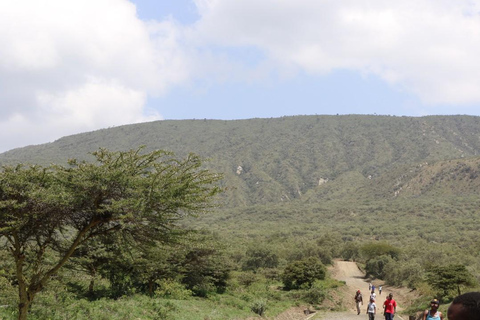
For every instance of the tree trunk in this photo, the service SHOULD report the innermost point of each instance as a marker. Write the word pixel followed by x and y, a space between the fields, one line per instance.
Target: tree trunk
pixel 24 296
pixel 91 286
pixel 150 287
pixel 24 305
pixel 23 311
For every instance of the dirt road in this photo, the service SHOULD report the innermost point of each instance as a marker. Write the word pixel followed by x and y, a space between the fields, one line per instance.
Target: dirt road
pixel 354 278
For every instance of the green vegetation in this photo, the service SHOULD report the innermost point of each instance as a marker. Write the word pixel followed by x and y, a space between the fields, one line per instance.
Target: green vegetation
pixel 47 214
pixel 258 257
pixel 303 273
pixel 448 280
pixel 284 159
pixel 399 195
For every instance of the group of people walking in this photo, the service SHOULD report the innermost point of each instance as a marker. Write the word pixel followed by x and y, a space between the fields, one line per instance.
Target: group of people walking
pixel 463 307
pixel 389 305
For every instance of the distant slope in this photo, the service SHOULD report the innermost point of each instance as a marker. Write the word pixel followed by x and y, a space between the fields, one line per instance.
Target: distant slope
pixel 311 158
pixel 457 177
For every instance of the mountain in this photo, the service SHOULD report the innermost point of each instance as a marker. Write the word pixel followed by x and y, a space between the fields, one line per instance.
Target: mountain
pixel 308 159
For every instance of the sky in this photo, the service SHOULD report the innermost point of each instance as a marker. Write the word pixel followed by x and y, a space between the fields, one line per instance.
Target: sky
pixel 71 66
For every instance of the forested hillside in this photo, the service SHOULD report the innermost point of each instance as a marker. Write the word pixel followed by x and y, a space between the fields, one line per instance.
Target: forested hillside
pixel 298 192
pixel 311 158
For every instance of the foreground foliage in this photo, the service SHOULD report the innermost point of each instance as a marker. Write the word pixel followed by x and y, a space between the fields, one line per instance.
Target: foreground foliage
pixel 172 302
pixel 46 214
pixel 399 195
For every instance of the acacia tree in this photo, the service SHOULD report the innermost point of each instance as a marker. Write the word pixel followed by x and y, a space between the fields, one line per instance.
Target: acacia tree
pixel 450 278
pixel 46 213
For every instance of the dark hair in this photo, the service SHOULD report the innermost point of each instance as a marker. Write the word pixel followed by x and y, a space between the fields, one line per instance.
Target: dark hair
pixel 471 305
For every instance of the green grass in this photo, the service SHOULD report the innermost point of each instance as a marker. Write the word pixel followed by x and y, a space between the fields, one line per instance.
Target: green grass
pixel 235 304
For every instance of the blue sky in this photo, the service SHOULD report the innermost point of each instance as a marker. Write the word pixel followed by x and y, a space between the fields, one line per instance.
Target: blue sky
pixel 74 66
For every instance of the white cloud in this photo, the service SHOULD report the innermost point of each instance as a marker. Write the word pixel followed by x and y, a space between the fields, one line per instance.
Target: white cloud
pixel 94 105
pixel 68 66
pixel 87 107
pixel 71 66
pixel 427 47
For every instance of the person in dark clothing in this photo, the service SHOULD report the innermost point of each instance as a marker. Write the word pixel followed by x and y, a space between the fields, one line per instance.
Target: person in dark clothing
pixel 465 307
pixel 358 300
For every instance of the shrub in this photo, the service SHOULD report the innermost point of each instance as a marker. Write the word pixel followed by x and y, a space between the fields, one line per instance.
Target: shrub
pixel 302 274
pixel 259 307
pixel 375 267
pixel 350 251
pixel 375 249
pixel 205 271
pixel 203 289
pixel 324 253
pixel 314 295
pixel 259 258
pixel 271 273
pixel 172 289
pixel 247 278
pixel 408 273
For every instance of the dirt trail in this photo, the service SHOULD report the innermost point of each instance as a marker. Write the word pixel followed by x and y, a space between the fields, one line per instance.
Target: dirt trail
pixel 354 278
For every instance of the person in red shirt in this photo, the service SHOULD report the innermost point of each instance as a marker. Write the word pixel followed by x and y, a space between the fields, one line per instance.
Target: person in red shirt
pixel 389 307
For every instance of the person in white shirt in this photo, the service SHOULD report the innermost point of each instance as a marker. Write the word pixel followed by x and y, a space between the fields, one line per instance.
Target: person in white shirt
pixel 371 309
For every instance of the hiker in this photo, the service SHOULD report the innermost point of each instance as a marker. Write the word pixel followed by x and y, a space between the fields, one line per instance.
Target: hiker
pixel 369 286
pixel 465 307
pixel 373 296
pixel 358 300
pixel 371 309
pixel 389 307
pixel 380 290
pixel 433 313
pixel 373 288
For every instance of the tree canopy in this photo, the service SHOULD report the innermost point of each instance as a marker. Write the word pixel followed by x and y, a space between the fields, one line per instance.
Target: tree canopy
pixel 46 213
pixel 303 273
pixel 448 280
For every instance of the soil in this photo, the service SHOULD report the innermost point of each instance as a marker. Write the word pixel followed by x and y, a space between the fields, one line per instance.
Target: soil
pixel 343 299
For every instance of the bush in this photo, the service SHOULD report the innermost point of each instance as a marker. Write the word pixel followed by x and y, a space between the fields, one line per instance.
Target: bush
pixel 375 249
pixel 259 307
pixel 171 289
pixel 350 251
pixel 375 267
pixel 303 273
pixel 247 278
pixel 409 273
pixel 259 258
pixel 203 289
pixel 324 253
pixel 314 295
pixel 271 274
pixel 205 271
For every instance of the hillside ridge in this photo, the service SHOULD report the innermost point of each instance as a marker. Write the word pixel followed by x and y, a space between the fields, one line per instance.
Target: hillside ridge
pixel 305 158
